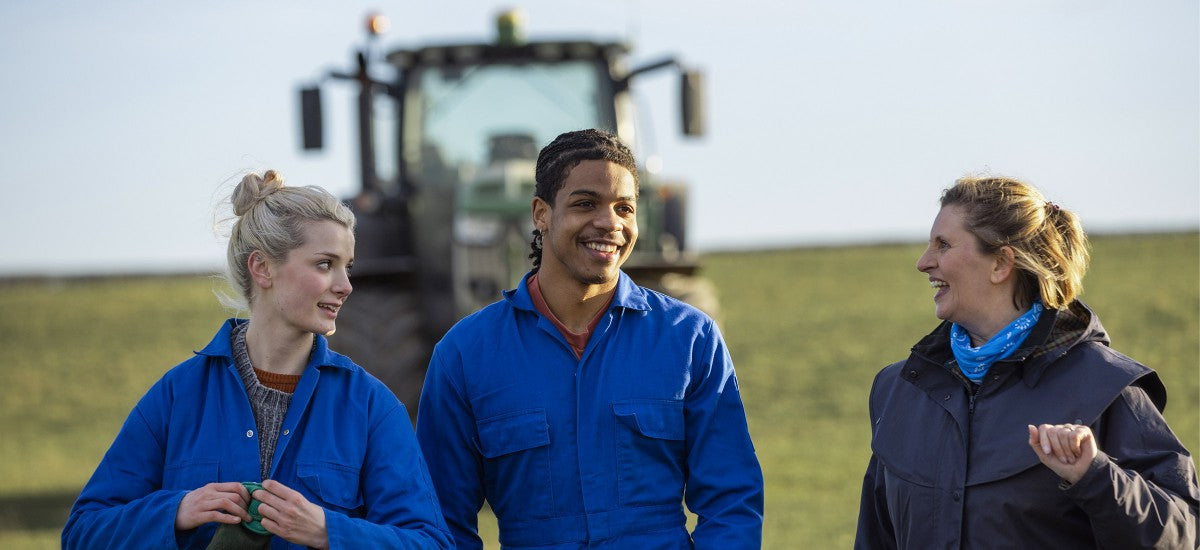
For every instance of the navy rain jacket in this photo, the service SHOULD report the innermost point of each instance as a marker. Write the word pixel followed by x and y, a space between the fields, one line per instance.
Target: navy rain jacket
pixel 952 467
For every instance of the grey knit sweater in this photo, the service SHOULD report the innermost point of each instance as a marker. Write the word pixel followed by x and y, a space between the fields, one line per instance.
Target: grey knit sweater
pixel 269 405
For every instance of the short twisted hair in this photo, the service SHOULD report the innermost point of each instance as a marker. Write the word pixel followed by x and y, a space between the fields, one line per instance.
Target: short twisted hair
pixel 1048 242
pixel 567 150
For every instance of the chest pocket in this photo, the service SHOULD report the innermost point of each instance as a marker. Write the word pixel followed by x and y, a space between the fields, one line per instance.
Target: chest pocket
pixel 190 475
pixel 334 485
pixel 650 450
pixel 515 448
pixel 513 432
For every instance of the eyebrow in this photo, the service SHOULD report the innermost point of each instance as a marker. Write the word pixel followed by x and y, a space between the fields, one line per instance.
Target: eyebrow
pixel 595 195
pixel 332 255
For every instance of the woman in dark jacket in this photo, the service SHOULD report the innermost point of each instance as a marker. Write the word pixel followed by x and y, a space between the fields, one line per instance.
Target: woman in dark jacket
pixel 1013 424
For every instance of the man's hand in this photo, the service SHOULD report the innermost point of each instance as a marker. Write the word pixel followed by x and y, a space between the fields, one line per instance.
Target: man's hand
pixel 219 502
pixel 286 513
pixel 1067 449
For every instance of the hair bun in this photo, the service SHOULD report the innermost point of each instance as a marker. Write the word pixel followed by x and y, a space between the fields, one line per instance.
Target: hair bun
pixel 254 189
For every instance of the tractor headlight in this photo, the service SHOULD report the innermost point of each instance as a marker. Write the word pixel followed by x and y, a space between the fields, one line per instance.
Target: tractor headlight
pixel 477 230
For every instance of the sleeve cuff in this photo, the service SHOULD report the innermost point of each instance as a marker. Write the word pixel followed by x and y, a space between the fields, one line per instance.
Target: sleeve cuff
pixel 1098 464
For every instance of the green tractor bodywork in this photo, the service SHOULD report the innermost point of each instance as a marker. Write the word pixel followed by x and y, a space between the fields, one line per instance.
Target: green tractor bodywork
pixel 449 141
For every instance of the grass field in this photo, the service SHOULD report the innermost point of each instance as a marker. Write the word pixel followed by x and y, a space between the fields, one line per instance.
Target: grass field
pixel 807 328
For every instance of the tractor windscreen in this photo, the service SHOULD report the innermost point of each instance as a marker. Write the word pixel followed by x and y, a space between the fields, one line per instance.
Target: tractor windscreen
pixel 461 119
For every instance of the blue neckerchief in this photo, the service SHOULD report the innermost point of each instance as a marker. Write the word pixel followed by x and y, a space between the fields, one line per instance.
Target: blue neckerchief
pixel 974 362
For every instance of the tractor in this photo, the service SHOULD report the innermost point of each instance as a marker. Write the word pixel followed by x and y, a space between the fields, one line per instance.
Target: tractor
pixel 449 135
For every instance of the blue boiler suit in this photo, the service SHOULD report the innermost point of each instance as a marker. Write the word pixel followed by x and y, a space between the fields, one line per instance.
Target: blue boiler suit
pixel 594 452
pixel 346 444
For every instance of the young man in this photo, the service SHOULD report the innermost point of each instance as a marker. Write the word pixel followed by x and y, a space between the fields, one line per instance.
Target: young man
pixel 583 407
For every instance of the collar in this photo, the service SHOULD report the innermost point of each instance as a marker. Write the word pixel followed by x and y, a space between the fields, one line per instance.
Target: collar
pixel 628 295
pixel 1068 327
pixel 1055 333
pixel 321 356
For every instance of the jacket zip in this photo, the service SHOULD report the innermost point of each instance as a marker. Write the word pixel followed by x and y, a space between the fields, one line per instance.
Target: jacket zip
pixel 972 393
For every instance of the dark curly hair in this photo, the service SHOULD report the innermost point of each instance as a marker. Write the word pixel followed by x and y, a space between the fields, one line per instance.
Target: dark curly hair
pixel 564 153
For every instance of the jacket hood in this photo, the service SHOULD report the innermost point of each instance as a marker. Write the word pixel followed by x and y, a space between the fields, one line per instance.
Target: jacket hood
pixel 1056 333
pixel 1054 329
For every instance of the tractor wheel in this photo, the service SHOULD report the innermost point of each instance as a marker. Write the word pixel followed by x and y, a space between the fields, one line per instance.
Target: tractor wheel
pixel 697 291
pixel 381 329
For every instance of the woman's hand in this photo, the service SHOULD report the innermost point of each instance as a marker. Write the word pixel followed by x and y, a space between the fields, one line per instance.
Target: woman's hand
pixel 286 513
pixel 219 502
pixel 1067 449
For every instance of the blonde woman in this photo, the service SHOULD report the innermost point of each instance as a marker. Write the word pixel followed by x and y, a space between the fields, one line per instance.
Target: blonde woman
pixel 1014 424
pixel 266 428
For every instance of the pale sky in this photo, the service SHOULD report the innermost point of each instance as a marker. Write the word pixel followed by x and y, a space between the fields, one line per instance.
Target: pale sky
pixel 122 123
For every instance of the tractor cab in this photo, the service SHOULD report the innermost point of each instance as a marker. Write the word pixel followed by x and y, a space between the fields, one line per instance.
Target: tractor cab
pixel 449 137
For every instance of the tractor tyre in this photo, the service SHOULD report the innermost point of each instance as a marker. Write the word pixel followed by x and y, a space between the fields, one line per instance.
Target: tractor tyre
pixel 381 329
pixel 697 291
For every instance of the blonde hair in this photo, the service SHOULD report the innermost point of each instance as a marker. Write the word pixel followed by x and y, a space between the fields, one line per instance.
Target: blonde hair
pixel 270 219
pixel 1048 242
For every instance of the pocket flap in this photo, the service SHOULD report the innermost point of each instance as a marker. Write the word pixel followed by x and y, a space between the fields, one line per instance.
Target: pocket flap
pixel 657 418
pixel 513 432
pixel 334 483
pixel 191 475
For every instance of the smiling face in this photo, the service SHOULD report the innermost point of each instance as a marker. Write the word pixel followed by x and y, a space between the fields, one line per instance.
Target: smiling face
pixel 972 288
pixel 307 289
pixel 591 228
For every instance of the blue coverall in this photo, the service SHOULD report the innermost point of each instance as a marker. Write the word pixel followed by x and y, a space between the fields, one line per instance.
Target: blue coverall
pixel 346 444
pixel 595 452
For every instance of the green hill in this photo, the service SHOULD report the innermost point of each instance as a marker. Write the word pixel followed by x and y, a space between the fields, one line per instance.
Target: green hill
pixel 807 328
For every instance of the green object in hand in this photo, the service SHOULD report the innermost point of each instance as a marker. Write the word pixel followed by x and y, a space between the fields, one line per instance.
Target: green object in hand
pixel 250 535
pixel 255 523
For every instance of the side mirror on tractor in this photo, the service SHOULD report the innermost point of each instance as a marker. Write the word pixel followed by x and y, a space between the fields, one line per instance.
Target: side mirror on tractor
pixel 691 102
pixel 311 119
